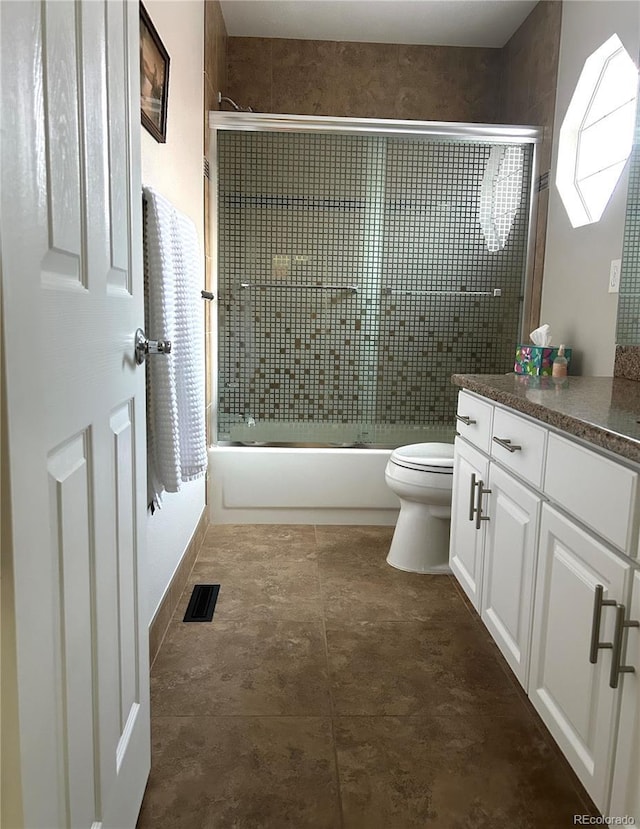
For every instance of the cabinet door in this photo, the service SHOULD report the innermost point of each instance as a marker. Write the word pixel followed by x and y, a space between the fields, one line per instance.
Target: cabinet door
pixel 509 568
pixel 571 695
pixel 625 796
pixel 470 470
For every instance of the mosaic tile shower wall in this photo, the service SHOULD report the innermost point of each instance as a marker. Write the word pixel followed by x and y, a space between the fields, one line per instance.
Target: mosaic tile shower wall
pixel 354 278
pixel 628 325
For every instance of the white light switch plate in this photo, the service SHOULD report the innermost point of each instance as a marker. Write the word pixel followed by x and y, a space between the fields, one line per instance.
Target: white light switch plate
pixel 614 276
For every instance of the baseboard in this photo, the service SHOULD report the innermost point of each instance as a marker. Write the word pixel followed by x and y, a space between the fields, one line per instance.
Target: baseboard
pixel 167 606
pixel 371 517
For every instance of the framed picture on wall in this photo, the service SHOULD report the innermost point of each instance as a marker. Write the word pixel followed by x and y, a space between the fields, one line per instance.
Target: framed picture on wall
pixel 154 79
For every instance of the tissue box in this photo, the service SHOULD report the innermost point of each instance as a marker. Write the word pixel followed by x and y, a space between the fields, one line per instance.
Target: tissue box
pixel 537 359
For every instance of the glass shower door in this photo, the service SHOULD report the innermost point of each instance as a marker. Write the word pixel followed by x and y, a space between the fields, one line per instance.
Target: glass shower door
pixel 300 227
pixel 356 274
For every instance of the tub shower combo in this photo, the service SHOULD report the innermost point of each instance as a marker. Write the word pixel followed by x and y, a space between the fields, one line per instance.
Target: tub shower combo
pixel 360 263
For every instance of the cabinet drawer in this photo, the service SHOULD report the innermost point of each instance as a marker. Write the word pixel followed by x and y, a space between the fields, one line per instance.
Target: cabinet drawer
pixel 519 445
pixel 473 420
pixel 598 491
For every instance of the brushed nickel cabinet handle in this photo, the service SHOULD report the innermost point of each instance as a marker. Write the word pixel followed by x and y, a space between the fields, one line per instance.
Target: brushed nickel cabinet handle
pixel 472 496
pixel 466 420
pixel 479 516
pixel 616 657
pixel 506 444
pixel 598 604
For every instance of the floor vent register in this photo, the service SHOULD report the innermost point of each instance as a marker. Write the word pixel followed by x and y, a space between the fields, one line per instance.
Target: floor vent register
pixel 202 603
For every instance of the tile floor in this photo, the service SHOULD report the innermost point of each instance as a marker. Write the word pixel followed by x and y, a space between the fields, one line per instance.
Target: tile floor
pixel 333 691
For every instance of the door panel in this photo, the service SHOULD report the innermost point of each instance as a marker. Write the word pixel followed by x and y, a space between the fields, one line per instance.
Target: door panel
pixel 61 142
pixel 72 547
pixel 509 562
pixel 119 276
pixel 467 543
pixel 572 695
pixel 625 796
pixel 72 300
pixel 124 485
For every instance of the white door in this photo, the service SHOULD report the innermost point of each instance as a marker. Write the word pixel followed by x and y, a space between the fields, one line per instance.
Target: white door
pixel 509 568
pixel 571 694
pixel 470 472
pixel 72 299
pixel 625 796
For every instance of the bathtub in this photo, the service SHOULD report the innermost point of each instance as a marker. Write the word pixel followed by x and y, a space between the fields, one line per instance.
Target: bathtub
pixel 255 480
pixel 299 485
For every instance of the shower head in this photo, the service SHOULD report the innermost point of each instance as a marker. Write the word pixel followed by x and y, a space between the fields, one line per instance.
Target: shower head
pixel 223 99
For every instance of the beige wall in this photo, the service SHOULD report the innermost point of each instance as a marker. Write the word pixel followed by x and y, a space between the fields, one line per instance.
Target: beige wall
pixel 530 72
pixel 376 80
pixel 175 169
pixel 575 298
pixel 215 56
pixel 529 78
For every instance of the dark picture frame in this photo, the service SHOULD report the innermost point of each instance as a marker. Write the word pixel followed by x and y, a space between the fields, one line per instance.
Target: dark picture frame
pixel 154 79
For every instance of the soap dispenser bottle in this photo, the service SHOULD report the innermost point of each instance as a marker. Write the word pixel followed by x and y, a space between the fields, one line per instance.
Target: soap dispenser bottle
pixel 559 368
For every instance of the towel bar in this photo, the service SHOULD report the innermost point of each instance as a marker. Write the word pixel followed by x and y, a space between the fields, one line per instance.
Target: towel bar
pixel 409 292
pixel 352 289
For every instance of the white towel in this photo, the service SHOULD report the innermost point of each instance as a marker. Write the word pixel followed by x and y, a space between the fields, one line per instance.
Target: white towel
pixel 189 339
pixel 175 398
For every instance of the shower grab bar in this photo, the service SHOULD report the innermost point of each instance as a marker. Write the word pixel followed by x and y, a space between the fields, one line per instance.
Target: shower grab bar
pixel 494 292
pixel 352 289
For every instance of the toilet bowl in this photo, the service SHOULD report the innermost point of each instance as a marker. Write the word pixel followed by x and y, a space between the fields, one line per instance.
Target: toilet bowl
pixel 421 475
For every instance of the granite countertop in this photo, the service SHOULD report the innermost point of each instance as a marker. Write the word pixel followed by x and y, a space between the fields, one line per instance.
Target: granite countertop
pixel 601 410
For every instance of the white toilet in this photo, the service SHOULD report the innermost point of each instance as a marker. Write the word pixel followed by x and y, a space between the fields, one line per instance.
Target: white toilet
pixel 421 475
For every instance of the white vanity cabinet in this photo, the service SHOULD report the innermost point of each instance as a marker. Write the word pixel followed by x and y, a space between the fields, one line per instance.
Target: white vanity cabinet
pixel 494 522
pixel 625 793
pixel 571 694
pixel 544 547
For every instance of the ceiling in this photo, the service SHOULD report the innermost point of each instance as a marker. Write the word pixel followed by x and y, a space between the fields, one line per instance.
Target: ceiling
pixel 433 22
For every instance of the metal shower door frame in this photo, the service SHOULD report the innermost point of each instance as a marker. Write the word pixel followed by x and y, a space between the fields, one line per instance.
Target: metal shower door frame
pixel 441 130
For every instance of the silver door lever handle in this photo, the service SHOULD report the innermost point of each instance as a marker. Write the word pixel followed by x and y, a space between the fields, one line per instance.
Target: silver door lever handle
pixel 145 346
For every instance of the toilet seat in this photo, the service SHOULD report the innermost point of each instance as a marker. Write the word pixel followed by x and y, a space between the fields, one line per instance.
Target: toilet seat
pixel 425 457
